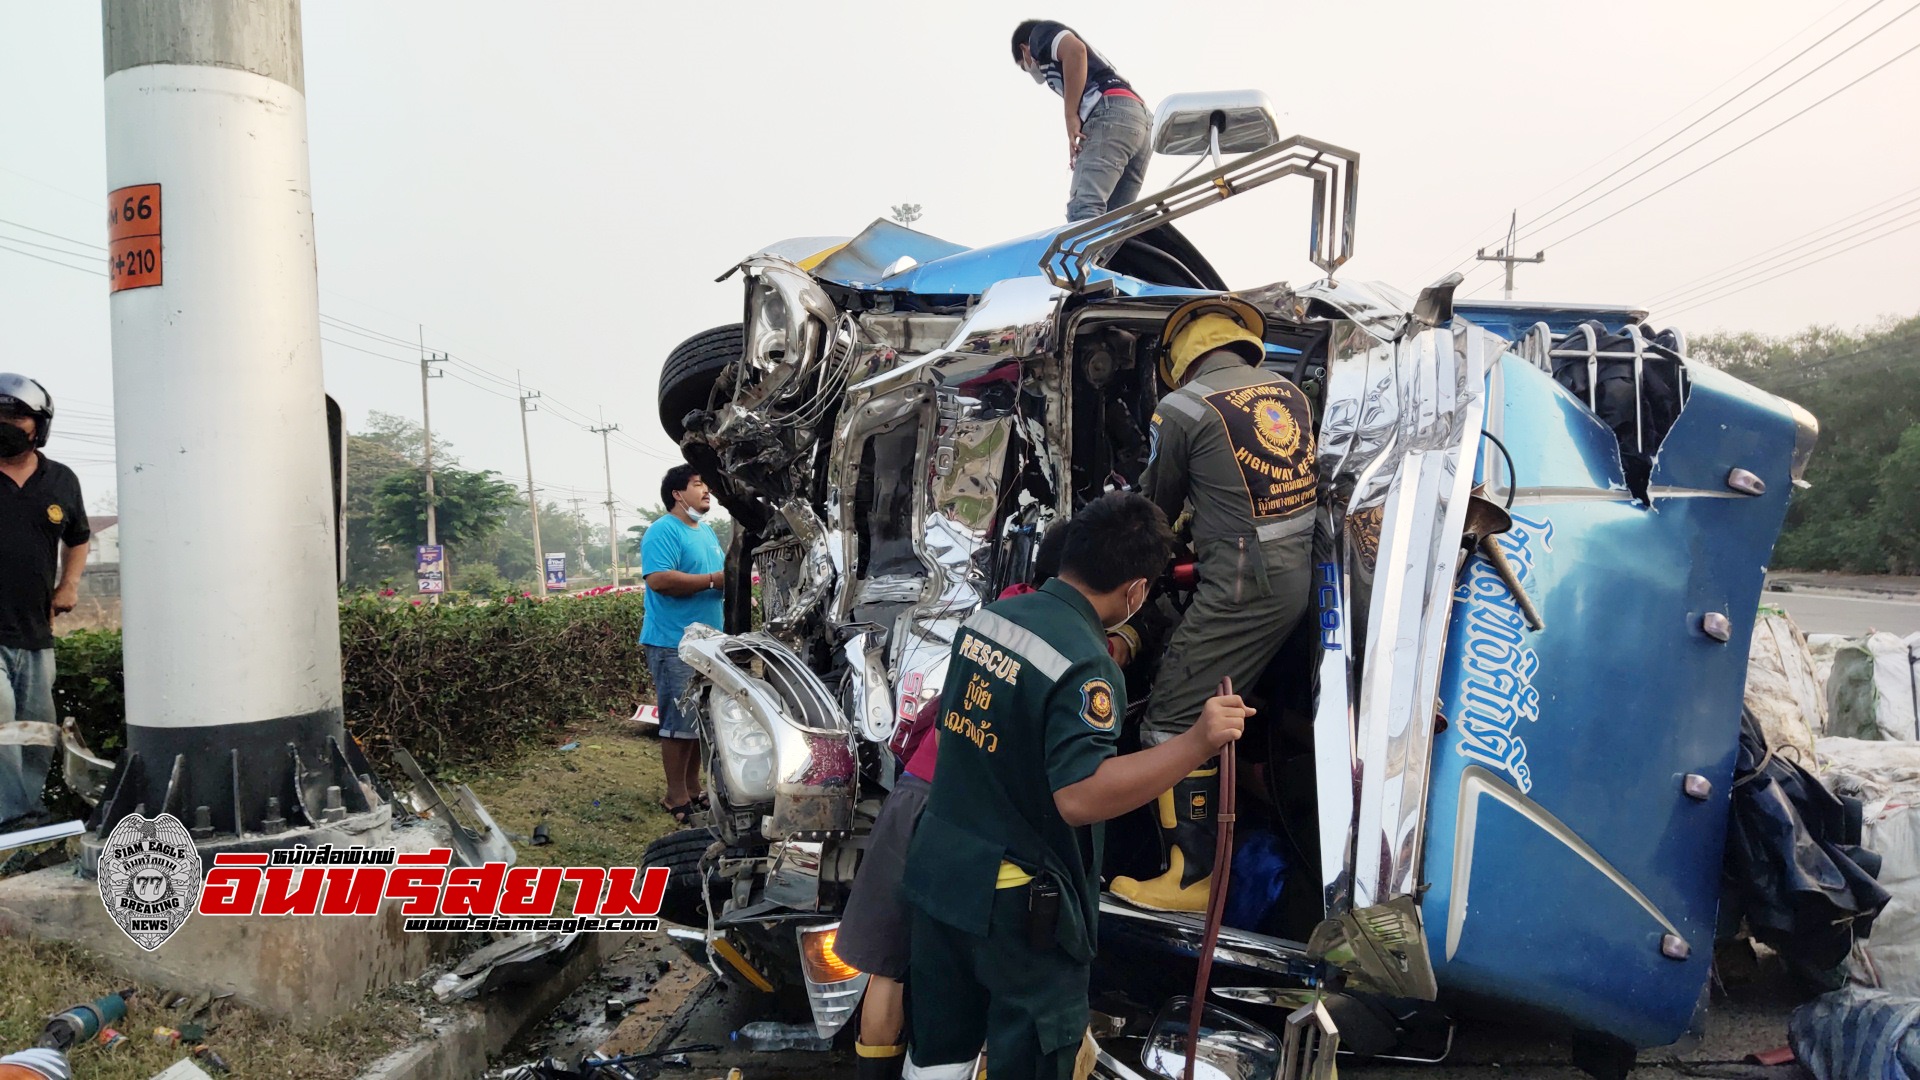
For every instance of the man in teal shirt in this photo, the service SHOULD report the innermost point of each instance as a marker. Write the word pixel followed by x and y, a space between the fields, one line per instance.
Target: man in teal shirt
pixel 1004 868
pixel 685 570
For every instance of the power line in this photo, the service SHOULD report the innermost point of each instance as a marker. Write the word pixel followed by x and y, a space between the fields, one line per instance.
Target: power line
pixel 1902 199
pixel 1903 54
pixel 1671 117
pixel 1792 270
pixel 50 247
pixel 1750 86
pixel 56 262
pixel 1688 295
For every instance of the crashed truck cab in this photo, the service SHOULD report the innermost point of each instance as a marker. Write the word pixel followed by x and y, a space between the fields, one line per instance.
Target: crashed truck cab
pixel 1498 751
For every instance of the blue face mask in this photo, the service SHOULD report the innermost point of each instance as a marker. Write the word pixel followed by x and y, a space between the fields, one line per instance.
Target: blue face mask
pixel 696 515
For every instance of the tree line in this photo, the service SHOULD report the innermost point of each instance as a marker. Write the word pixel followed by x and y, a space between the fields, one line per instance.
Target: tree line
pixel 1861 513
pixel 482 519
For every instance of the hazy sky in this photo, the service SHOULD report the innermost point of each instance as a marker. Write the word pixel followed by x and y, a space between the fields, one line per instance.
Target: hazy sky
pixel 553 187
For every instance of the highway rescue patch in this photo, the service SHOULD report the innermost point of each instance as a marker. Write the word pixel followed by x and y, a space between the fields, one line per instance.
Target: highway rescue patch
pixel 1269 429
pixel 1096 704
pixel 55 514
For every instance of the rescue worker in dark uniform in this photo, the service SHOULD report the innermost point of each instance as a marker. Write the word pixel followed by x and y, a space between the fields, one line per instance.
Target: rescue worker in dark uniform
pixel 1236 442
pixel 1003 870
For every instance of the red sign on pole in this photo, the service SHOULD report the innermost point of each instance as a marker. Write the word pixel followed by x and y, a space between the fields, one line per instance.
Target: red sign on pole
pixel 133 237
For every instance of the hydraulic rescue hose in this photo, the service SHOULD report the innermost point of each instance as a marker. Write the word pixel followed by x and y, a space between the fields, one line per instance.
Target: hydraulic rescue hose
pixel 1217 894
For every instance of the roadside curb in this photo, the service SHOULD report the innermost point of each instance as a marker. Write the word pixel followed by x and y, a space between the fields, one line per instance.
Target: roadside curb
pixel 460 1045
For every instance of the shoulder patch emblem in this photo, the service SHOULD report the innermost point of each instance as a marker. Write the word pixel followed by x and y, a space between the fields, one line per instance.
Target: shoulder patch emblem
pixel 55 514
pixel 1096 704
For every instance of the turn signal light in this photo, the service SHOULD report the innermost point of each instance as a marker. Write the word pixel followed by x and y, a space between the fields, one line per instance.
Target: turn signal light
pixel 822 963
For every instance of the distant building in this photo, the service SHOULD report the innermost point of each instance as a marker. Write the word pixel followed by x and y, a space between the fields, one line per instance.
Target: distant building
pixel 105 545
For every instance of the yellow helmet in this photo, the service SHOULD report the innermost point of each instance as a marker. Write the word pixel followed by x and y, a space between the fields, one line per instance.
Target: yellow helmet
pixel 1204 324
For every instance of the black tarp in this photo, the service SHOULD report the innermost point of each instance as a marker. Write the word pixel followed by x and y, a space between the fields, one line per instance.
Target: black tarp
pixel 1794 868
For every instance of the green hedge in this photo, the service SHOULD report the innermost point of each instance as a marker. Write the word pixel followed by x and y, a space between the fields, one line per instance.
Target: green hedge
pixel 456 683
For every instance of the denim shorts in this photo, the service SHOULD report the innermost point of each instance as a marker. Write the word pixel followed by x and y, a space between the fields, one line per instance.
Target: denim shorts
pixel 670 678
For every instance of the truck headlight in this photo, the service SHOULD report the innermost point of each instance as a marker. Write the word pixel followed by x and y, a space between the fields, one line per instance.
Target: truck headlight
pixel 746 751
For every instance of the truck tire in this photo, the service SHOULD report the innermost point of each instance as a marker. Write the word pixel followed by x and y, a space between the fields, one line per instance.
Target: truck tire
pixel 687 378
pixel 687 890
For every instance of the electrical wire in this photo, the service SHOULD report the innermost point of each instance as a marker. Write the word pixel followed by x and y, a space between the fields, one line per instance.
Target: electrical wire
pixel 1790 270
pixel 1878 209
pixel 1664 122
pixel 1688 296
pixel 56 262
pixel 1903 54
pixel 1530 230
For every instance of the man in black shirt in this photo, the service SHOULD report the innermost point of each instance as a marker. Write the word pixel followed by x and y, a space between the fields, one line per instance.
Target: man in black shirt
pixel 1107 123
pixel 41 514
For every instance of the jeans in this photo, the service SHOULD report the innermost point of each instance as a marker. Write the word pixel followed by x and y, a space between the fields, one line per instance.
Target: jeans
pixel 1113 158
pixel 28 732
pixel 670 678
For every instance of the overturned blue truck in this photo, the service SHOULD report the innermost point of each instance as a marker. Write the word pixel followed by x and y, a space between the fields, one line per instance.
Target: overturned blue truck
pixel 1495 761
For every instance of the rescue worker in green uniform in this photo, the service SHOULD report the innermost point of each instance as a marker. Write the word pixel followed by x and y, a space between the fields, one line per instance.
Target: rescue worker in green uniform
pixel 1003 870
pixel 1236 443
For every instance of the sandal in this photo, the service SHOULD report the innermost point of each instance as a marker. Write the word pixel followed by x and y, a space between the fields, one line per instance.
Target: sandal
pixel 682 814
pixel 701 803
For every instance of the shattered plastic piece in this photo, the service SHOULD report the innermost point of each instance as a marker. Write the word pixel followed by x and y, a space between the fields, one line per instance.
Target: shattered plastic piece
pixel 541 837
pixel 570 746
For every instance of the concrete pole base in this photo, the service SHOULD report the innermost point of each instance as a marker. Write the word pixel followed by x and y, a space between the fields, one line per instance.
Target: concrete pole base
pixel 309 969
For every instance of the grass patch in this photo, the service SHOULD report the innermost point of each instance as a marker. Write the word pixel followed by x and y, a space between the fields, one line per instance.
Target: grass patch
pixel 600 802
pixel 37 978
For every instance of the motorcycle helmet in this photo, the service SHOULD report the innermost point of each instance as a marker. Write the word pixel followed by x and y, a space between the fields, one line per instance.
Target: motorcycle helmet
pixel 21 394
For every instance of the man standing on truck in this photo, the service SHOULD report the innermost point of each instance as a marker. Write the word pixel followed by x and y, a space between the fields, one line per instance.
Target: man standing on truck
pixel 41 517
pixel 684 568
pixel 1236 442
pixel 1107 123
pixel 1003 872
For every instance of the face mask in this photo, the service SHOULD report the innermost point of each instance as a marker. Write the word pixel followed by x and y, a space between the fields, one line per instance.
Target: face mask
pixel 1039 77
pixel 696 515
pixel 13 441
pixel 1114 628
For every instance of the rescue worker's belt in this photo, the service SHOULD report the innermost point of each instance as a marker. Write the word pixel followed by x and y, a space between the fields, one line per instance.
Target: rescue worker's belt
pixel 1285 527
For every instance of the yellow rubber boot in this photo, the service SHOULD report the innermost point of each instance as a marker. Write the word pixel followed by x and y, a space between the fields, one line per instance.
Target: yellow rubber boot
pixel 1187 827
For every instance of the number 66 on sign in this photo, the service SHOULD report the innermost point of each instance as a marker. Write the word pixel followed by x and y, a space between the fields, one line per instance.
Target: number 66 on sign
pixel 133 237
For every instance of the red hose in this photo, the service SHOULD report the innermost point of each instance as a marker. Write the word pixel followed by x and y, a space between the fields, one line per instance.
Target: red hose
pixel 1217 894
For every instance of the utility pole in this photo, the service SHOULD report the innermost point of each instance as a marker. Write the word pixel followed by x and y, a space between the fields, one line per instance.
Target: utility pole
pixel 613 536
pixel 234 713
pixel 1506 253
pixel 427 360
pixel 533 501
pixel 580 523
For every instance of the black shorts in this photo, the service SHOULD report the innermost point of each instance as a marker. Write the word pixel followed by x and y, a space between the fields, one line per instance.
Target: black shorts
pixel 876 925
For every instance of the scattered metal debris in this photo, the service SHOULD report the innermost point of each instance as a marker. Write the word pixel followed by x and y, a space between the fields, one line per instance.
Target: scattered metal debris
pixel 517 960
pixel 471 847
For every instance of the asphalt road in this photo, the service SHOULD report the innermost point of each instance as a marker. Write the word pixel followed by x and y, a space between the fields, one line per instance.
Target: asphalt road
pixel 1840 613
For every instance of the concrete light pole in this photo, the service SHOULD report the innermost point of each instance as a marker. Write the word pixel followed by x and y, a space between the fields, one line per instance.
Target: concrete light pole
pixel 613 537
pixel 533 499
pixel 232 639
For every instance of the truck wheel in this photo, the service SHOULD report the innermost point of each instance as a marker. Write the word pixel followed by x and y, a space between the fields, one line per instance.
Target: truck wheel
pixel 686 381
pixel 687 893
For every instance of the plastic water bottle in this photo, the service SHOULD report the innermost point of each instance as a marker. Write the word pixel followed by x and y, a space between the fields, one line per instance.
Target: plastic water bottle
pixel 765 1036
